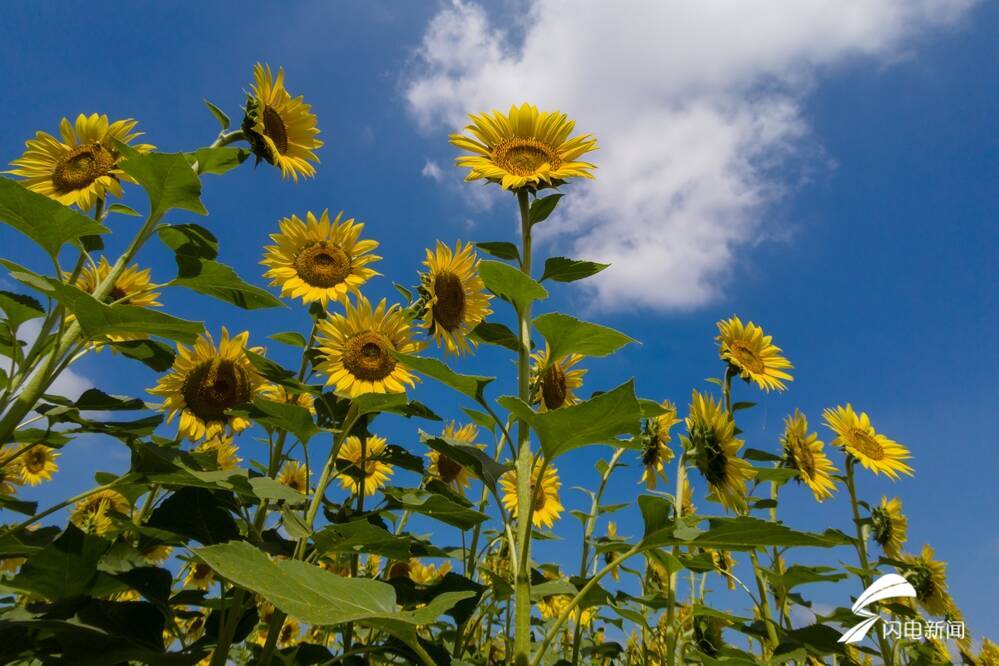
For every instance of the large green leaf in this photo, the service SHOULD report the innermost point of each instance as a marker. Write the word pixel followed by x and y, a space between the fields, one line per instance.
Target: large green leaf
pixel 500 249
pixel 470 385
pixel 196 513
pixel 741 533
pixel 189 239
pixel 496 334
pixel 471 458
pixel 599 420
pixel 220 281
pixel 361 536
pixel 167 178
pixel 154 354
pixel 435 505
pixel 542 208
pixel 65 568
pixel 274 415
pixel 568 335
pixel 510 283
pixel 19 308
pixel 217 160
pixel 43 220
pixel 562 269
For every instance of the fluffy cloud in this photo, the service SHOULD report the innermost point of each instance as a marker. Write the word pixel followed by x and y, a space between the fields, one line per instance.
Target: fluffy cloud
pixel 697 107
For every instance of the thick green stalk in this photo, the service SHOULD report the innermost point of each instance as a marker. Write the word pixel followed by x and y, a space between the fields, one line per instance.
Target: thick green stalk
pixel 671 632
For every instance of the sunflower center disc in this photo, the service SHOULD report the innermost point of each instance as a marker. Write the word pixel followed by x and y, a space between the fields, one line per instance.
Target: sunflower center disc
pixel 553 389
pixel 747 357
pixel 275 129
pixel 213 387
pixel 35 460
pixel 448 469
pixel 523 157
pixel 367 356
pixel 650 455
pixel 449 309
pixel 882 526
pixel 81 166
pixel 867 445
pixel 322 265
pixel 540 498
pixel 806 461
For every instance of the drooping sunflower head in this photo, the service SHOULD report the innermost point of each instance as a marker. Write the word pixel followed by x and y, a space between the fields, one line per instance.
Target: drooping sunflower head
pixel 656 452
pixel 361 462
pixel 318 259
pixel 455 296
pixel 856 435
pixel 10 473
pixel 38 464
pixel 279 393
pixel 553 605
pixel 427 574
pixel 443 467
pixel 547 507
pixel 282 128
pixel 715 449
pixel 929 578
pixel 753 355
pixel 803 452
pixel 889 526
pixel 524 148
pixel 554 381
pixel 358 349
pixel 132 287
pixel 199 575
pixel 294 475
pixel 708 634
pixel 91 513
pixel 79 166
pixel 224 450
pixel 205 382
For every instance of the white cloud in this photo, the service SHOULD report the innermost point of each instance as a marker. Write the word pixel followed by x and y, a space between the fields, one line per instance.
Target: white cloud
pixel 69 383
pixel 433 171
pixel 697 107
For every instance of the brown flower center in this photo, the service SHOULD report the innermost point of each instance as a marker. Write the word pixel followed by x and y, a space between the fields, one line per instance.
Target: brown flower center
pixel 523 157
pixel 35 460
pixel 540 498
pixel 368 356
pixel 805 459
pixel 553 388
pixel 882 527
pixel 449 308
pixel 711 461
pixel 399 570
pixel 275 129
pixel 866 444
pixel 215 386
pixel 322 265
pixel 82 166
pixel 447 469
pixel 746 357
pixel 201 571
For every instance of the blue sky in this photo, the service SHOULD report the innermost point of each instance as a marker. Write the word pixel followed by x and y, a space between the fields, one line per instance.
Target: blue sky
pixel 868 249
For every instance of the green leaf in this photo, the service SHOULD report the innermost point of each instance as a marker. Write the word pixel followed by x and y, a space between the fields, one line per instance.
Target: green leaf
pixel 562 269
pixel 167 178
pixel 472 386
pixel 217 160
pixel 122 209
pixel 219 114
pixel 152 353
pixel 502 250
pixel 496 334
pixel 290 338
pixel 760 456
pixel 471 458
pixel 361 536
pixel 43 220
pixel 798 574
pixel 599 420
pixel 196 513
pixel 542 208
pixel 743 533
pixel 776 474
pixel 189 239
pixel 19 308
pixel 280 416
pixel 568 335
pixel 10 503
pixel 275 373
pixel 220 281
pixel 67 567
pixel 96 400
pixel 510 283
pixel 435 505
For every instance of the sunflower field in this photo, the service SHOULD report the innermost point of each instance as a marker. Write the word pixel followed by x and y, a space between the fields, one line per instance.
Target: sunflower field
pixel 343 546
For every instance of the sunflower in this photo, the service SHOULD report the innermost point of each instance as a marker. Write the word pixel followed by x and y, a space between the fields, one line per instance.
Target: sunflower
pixel 357 349
pixel 553 382
pixel 989 655
pixel 318 259
pixel 655 445
pixel 156 554
pixel 753 354
pixel 427 574
pixel 803 453
pixel 547 507
pixel 282 129
pixel 711 433
pixel 81 165
pixel 91 513
pixel 199 575
pixel 929 578
pixel 290 630
pixel 10 472
pixel 889 526
pixel 874 451
pixel 554 605
pixel 225 450
pixel 205 382
pixel 193 626
pixel 132 287
pixel 610 555
pixel 455 296
pixel 278 393
pixel 38 464
pixel 294 475
pixel 524 148
pixel 724 563
pixel 444 468
pixel 375 472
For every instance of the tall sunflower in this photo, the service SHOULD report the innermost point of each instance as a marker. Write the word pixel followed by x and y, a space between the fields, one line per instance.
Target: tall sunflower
pixel 889 526
pixel 79 166
pixel 856 435
pixel 205 381
pixel 374 473
pixel 38 464
pixel 753 354
pixel 294 475
pixel 281 128
pixel 455 296
pixel 929 578
pixel 655 445
pixel 91 513
pixel 318 259
pixel 547 507
pixel 444 468
pixel 357 349
pixel 524 148
pixel 553 382
pixel 711 434
pixel 803 452
pixel 132 287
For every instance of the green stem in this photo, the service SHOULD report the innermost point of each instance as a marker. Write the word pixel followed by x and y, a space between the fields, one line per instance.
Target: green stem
pixel 671 632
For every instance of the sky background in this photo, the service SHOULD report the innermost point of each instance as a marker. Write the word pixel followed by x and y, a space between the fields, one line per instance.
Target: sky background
pixel 825 169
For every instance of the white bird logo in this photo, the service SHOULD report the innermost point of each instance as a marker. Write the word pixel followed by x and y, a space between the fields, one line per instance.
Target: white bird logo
pixel 886 587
